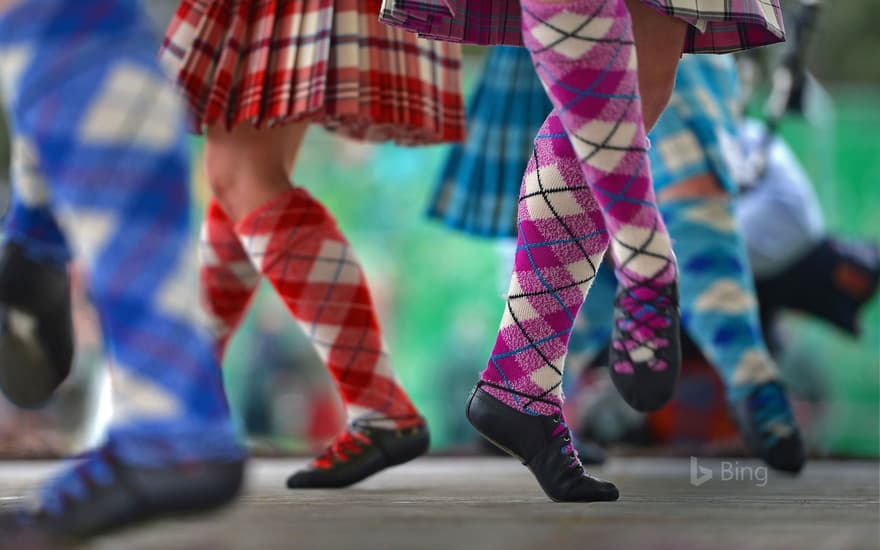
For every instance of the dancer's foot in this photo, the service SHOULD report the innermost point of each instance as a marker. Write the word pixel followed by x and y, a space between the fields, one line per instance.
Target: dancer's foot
pixel 100 493
pixel 360 452
pixel 645 352
pixel 542 443
pixel 769 427
pixel 36 327
pixel 589 452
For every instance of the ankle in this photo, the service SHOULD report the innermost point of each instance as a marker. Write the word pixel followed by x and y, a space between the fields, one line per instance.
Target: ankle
pixel 534 405
pixel 385 421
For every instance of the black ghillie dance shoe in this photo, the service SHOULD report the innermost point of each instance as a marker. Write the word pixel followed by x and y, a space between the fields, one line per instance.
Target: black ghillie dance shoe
pixel 645 351
pixel 36 328
pixel 541 443
pixel 100 493
pixel 769 427
pixel 359 452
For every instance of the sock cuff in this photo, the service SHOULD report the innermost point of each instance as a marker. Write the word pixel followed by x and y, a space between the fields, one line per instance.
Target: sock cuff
pixel 55 255
pixel 219 245
pixel 292 207
pixel 217 227
pixel 214 214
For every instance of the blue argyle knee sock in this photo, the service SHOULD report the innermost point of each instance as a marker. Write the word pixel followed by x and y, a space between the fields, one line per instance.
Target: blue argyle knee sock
pixel 92 112
pixel 719 309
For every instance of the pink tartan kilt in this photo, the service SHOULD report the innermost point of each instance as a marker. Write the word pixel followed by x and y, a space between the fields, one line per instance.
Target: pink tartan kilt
pixel 717 26
pixel 267 62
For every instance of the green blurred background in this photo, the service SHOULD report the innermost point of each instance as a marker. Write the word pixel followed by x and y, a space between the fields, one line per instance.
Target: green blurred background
pixel 440 292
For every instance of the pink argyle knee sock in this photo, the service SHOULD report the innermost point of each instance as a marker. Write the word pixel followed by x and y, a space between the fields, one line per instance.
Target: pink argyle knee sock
pixel 585 55
pixel 561 242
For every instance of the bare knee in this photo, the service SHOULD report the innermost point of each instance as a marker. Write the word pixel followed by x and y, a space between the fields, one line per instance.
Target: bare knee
pixel 659 43
pixel 656 91
pixel 245 168
pixel 229 175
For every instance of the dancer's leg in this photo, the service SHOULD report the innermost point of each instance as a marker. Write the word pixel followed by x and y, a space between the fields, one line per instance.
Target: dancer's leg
pixel 227 276
pixel 94 112
pixel 720 312
pixel 659 40
pixel 295 243
pixel 562 238
pixel 585 53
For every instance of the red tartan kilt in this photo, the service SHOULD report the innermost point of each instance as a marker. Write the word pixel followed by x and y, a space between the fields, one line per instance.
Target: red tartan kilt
pixel 268 62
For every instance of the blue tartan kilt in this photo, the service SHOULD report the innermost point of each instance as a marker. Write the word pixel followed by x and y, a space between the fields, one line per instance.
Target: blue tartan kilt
pixel 696 134
pixel 478 189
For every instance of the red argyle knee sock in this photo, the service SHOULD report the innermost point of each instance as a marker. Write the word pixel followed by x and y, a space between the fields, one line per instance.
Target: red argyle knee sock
pixel 227 276
pixel 295 243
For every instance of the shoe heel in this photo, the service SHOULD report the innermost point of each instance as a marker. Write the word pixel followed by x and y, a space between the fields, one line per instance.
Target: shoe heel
pixel 484 416
pixel 410 449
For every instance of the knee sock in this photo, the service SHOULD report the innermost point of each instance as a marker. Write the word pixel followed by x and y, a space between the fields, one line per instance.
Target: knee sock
pixel 584 53
pixel 295 243
pixel 228 278
pixel 561 241
pixel 30 222
pixel 107 139
pixel 718 304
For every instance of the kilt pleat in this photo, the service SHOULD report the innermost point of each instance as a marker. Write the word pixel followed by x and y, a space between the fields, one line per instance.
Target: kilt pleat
pixel 269 62
pixel 717 26
pixel 478 188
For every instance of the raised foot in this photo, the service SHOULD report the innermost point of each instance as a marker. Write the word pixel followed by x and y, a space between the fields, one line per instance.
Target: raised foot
pixel 100 494
pixel 769 427
pixel 36 328
pixel 645 352
pixel 542 443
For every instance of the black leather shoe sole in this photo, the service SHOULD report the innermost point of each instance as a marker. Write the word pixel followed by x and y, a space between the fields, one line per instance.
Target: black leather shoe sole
pixel 36 328
pixel 537 442
pixel 388 448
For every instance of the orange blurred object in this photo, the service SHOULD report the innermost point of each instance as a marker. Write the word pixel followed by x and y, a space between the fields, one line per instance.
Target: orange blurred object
pixel 698 413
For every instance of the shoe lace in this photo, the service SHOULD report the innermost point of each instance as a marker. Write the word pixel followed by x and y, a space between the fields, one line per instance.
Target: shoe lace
pixel 347 444
pixel 90 470
pixel 771 415
pixel 567 447
pixel 646 307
